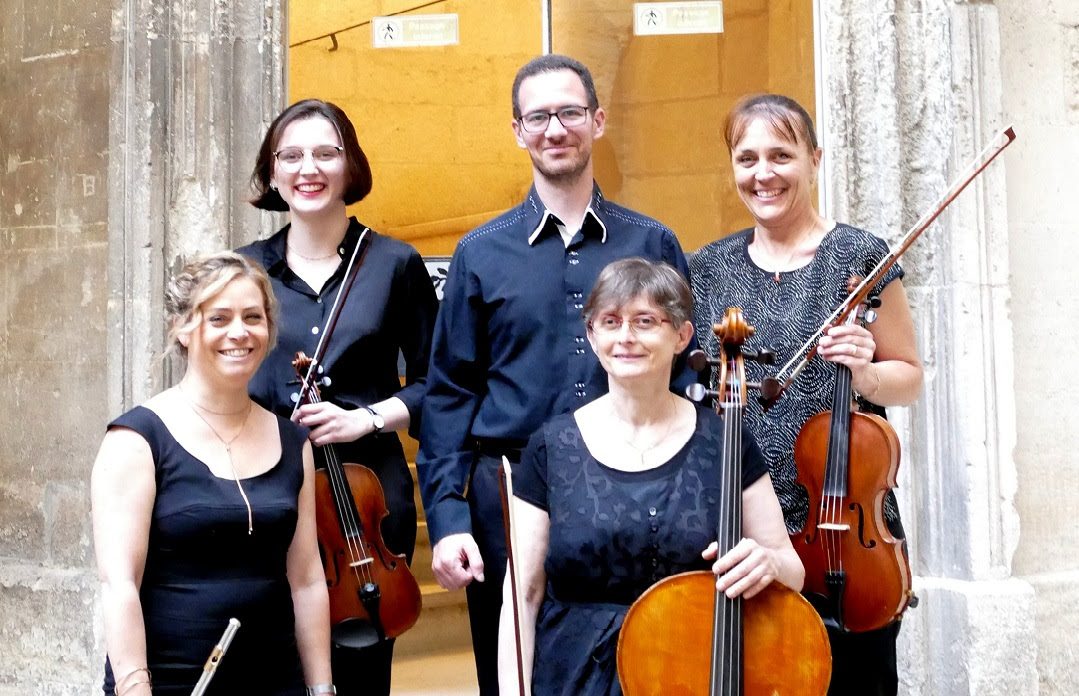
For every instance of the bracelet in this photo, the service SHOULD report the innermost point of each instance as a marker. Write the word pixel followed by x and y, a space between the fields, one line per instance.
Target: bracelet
pixel 132 685
pixel 876 388
pixel 120 682
pixel 321 689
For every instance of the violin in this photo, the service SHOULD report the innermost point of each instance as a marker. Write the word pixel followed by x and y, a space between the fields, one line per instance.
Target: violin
pixel 857 574
pixel 772 644
pixel 373 594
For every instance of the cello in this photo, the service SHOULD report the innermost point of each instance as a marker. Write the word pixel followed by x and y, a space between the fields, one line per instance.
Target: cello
pixel 771 644
pixel 857 574
pixel 373 594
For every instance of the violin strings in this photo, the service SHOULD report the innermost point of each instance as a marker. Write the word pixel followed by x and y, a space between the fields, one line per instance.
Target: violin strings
pixel 339 486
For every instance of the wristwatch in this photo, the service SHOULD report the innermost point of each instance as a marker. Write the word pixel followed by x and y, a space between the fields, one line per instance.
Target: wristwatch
pixel 376 419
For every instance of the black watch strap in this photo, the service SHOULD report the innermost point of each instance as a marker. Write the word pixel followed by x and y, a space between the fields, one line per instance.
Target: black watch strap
pixel 376 419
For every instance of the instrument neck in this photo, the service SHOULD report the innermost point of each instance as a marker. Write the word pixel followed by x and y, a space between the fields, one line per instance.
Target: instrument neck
pixel 727 660
pixel 838 462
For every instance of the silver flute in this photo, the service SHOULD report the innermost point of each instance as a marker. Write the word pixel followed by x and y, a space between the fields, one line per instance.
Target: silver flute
pixel 216 655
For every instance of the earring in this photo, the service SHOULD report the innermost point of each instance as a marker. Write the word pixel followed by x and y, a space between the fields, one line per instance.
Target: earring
pixel 273 187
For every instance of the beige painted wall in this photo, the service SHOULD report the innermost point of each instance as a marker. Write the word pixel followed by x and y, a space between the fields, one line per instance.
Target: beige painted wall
pixel 435 121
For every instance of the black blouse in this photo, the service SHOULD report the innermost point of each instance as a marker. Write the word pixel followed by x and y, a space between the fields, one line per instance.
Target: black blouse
pixel 390 311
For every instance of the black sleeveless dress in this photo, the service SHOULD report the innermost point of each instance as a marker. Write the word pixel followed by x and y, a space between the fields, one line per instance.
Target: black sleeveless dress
pixel 202 568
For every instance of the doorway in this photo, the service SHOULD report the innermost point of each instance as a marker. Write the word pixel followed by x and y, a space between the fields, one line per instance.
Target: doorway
pixel 434 121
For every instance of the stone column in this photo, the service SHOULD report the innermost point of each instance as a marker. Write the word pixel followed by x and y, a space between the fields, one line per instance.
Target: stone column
pixel 196 84
pixel 912 90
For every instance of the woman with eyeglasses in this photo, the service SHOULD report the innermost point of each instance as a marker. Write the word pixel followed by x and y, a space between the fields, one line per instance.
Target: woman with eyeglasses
pixel 788 273
pixel 311 165
pixel 613 497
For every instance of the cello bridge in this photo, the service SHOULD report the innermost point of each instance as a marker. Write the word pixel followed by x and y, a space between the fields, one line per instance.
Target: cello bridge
pixel 834 527
pixel 361 562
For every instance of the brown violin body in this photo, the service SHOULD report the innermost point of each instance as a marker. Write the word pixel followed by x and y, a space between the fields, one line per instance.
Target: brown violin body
pixel 665 648
pixel 373 594
pixel 856 571
pixel 345 540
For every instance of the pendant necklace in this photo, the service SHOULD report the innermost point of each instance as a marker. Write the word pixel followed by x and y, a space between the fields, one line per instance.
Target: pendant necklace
pixel 228 447
pixel 643 451
pixel 790 256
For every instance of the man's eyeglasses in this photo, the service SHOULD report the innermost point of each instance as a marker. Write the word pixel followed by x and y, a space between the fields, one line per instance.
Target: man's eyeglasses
pixel 568 116
pixel 639 324
pixel 290 159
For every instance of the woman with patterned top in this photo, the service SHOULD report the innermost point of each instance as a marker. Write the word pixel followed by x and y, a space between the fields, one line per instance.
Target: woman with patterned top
pixel 788 273
pixel 624 492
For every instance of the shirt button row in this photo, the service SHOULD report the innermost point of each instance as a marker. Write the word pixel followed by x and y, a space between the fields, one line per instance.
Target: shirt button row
pixel 579 385
pixel 579 351
pixel 576 295
pixel 578 339
pixel 579 394
pixel 314 330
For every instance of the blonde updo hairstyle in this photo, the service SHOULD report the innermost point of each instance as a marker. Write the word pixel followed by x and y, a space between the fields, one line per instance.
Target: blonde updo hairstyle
pixel 201 279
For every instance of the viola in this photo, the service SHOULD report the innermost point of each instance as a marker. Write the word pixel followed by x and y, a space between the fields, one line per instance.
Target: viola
pixel 772 644
pixel 857 574
pixel 373 594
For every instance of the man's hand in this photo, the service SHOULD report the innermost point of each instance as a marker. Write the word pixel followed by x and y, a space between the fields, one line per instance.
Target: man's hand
pixel 456 561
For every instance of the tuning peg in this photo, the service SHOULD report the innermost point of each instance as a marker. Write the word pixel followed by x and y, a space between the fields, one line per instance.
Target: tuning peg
pixel 698 360
pixel 764 356
pixel 698 392
pixel 870 316
pixel 325 381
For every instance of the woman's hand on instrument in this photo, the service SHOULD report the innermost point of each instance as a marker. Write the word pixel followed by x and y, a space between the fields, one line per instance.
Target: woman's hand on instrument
pixel 745 570
pixel 855 347
pixel 848 345
pixel 330 423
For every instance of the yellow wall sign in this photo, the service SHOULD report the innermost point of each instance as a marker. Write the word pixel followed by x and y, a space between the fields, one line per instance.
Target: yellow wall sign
pixel 677 18
pixel 401 31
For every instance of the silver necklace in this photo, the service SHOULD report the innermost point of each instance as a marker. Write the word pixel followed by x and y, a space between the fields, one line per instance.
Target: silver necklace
pixel 785 266
pixel 228 448
pixel 642 452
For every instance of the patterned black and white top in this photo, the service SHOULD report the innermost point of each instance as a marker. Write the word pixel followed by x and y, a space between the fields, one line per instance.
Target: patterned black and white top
pixel 785 314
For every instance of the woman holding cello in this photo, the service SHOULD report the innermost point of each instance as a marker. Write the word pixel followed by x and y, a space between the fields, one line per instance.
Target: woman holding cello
pixel 622 493
pixel 788 272
pixel 311 165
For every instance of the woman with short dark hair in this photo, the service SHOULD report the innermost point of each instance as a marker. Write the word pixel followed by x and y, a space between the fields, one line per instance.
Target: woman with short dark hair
pixel 311 165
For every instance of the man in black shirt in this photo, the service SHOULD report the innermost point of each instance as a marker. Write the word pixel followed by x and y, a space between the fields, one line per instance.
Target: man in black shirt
pixel 510 349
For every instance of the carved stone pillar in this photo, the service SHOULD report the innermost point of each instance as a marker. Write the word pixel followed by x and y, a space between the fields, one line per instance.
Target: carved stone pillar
pixel 196 82
pixel 912 90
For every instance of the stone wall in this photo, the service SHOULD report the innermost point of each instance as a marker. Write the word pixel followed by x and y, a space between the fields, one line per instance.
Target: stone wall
pixel 913 92
pixel 127 133
pixel 1040 68
pixel 54 158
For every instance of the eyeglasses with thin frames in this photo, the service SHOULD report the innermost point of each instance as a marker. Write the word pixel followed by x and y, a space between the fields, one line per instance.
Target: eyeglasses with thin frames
pixel 638 324
pixel 290 159
pixel 568 116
